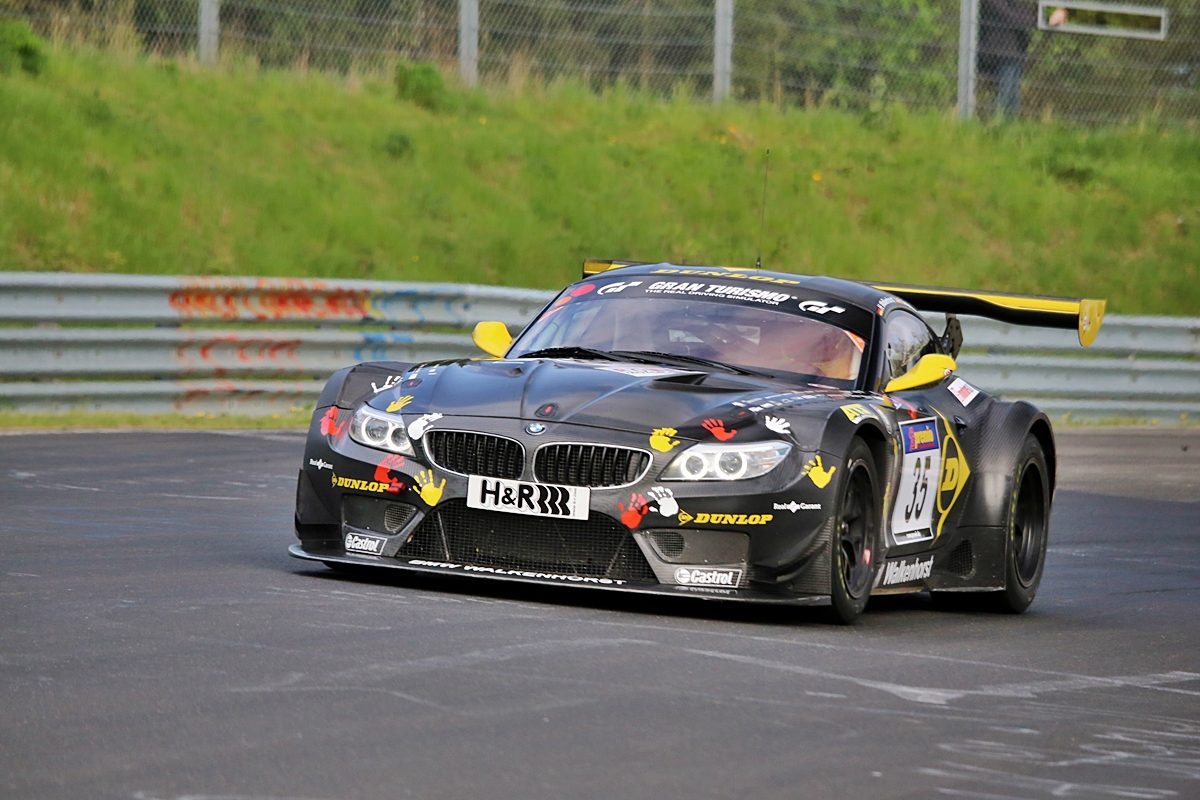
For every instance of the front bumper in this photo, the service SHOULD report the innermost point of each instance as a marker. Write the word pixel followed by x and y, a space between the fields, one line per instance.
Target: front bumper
pixel 762 539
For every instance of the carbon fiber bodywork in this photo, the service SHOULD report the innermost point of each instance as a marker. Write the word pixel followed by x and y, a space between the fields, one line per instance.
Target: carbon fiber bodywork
pixel 945 455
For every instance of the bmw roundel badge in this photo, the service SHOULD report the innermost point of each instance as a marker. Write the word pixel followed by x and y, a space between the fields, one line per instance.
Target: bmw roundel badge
pixel 535 428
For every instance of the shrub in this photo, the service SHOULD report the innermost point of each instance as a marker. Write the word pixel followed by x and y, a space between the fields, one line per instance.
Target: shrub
pixel 422 84
pixel 20 47
pixel 398 144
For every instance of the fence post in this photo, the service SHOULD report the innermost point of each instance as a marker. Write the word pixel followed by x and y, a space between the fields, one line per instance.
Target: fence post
pixel 209 31
pixel 468 41
pixel 968 39
pixel 722 49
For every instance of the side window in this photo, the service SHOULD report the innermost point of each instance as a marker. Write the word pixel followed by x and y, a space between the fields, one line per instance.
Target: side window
pixel 908 338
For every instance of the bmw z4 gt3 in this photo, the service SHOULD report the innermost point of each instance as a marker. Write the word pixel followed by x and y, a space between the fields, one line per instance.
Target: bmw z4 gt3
pixel 704 431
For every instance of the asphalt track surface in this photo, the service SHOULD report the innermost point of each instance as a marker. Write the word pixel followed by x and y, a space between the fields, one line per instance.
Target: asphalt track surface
pixel 157 642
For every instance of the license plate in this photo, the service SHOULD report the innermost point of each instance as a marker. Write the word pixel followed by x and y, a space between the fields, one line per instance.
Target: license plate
pixel 532 499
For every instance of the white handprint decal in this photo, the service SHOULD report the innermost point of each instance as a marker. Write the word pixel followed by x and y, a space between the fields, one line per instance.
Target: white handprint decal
pixel 777 424
pixel 664 498
pixel 417 428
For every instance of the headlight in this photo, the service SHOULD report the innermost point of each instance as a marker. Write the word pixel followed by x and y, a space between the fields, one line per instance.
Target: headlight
pixel 725 462
pixel 383 431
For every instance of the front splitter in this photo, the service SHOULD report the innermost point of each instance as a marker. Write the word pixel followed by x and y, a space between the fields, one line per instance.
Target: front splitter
pixel 534 577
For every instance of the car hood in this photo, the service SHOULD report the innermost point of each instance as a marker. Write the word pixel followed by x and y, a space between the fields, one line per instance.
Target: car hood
pixel 616 395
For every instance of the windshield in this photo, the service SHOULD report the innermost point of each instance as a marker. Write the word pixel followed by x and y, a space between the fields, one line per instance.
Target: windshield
pixel 718 330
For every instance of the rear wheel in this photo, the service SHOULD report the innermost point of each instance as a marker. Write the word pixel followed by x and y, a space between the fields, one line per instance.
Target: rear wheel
pixel 1028 523
pixel 855 536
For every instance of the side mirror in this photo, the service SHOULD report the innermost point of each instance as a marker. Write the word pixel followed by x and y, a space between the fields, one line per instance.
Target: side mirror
pixel 931 369
pixel 492 338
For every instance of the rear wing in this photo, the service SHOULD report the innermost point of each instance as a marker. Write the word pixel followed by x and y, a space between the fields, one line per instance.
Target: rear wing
pixel 1079 314
pixel 594 266
pixel 1082 315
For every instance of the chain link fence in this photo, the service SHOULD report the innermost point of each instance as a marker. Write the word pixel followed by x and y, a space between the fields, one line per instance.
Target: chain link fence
pixel 860 55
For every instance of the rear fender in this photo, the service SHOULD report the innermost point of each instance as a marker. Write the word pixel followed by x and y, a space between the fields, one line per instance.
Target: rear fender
pixel 995 454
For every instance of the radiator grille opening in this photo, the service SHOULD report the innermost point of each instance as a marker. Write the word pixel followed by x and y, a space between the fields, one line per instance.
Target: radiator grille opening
pixel 376 514
pixel 597 547
pixel 590 465
pixel 475 453
pixel 669 543
pixel 962 559
pixel 397 515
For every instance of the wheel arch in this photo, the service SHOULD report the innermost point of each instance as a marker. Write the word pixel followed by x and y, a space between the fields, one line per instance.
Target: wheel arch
pixel 879 443
pixel 350 385
pixel 997 446
pixel 1041 430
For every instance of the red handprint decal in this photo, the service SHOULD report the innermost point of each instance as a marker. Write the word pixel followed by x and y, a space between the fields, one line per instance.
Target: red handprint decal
pixel 638 508
pixel 717 428
pixel 383 473
pixel 329 422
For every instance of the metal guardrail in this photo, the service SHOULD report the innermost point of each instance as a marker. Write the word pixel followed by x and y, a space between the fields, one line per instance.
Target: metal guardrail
pixel 62 297
pixel 153 344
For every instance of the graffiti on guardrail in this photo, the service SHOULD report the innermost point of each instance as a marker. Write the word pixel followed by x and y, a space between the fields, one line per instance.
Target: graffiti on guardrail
pixel 278 299
pixel 221 352
pixel 268 299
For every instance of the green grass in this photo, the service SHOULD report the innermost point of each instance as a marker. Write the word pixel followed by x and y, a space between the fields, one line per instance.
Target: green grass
pixel 111 162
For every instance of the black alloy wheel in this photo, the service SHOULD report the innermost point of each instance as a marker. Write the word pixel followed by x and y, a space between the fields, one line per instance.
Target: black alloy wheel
pixel 855 539
pixel 1028 523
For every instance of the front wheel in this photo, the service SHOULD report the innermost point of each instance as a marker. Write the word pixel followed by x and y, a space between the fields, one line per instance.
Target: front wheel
pixel 1028 523
pixel 855 536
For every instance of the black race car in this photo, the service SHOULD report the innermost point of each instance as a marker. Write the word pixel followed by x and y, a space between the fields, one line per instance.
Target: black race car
pixel 706 431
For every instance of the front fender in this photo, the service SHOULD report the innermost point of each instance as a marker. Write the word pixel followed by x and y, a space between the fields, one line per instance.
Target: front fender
pixel 349 386
pixel 316 522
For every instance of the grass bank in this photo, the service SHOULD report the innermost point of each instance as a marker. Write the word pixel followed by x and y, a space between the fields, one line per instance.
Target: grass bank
pixel 122 163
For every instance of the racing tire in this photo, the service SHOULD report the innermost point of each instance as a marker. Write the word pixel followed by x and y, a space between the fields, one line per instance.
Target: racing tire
pixel 1027 526
pixel 855 537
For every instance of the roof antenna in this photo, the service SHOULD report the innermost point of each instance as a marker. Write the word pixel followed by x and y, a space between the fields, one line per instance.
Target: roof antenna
pixel 762 211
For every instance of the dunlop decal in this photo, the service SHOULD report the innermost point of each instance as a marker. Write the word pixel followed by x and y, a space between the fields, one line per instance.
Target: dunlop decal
pixel 955 472
pixel 338 482
pixel 703 518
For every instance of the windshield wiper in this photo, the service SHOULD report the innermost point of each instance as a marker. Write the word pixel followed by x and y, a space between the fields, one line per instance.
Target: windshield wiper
pixel 656 355
pixel 570 352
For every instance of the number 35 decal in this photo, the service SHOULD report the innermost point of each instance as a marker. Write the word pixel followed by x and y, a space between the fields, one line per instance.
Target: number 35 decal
pixel 920 486
pixel 921 445
pixel 930 456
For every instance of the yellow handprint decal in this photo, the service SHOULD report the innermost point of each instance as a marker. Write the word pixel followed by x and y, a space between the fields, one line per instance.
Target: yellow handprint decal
pixel 400 402
pixel 660 439
pixel 817 473
pixel 429 492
